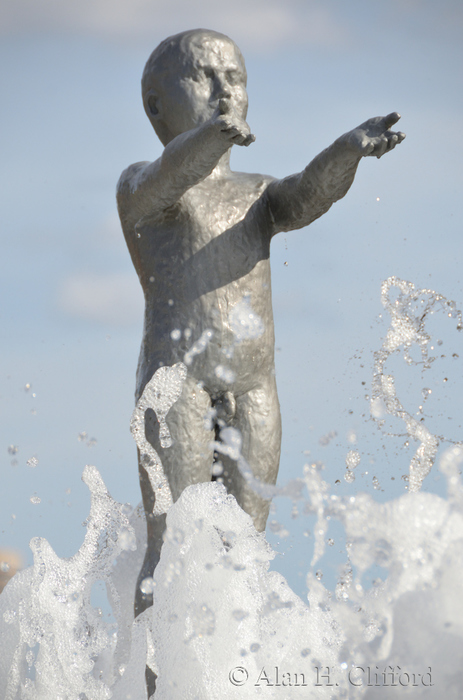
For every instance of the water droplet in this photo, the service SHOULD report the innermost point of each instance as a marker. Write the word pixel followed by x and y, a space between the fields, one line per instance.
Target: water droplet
pixel 151 278
pixel 147 585
pixel 128 541
pixel 203 619
pixel 9 616
pixel 13 449
pixel 82 436
pixel 254 647
pixel 224 373
pixel 286 263
pixel 170 302
pixel 349 476
pixel 217 469
pixel 325 440
pixel 176 334
pixel 331 542
pixel 240 615
pixel 274 526
pixel 319 575
pixel 352 459
pixel 32 462
pixel 174 534
pixel 4 567
pixel 305 652
pixel 35 499
pixel 27 387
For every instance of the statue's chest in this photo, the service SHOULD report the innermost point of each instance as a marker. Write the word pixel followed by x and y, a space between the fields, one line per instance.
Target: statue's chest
pixel 210 209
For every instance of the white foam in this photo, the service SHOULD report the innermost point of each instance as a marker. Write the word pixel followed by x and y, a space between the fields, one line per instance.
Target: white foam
pixel 222 622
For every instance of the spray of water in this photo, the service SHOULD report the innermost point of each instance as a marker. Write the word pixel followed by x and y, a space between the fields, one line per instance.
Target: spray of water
pixel 222 624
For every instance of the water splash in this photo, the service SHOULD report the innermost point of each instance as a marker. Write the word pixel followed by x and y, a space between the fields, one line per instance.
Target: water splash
pixel 199 346
pixel 160 394
pixel 48 618
pixel 244 322
pixel 409 312
pixel 222 622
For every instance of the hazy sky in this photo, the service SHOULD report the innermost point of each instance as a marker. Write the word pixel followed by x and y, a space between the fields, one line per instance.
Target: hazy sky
pixel 72 120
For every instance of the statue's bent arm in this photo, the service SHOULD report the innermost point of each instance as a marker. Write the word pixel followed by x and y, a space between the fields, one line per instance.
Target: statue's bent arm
pixel 186 160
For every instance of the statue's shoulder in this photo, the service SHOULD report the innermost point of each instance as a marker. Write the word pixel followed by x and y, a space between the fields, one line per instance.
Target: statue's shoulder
pixel 130 178
pixel 253 181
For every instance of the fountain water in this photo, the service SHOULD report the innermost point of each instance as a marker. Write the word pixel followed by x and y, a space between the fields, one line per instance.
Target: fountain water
pixel 223 624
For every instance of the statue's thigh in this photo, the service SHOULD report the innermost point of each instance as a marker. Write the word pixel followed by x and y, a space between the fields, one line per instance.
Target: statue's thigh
pixel 259 422
pixel 189 459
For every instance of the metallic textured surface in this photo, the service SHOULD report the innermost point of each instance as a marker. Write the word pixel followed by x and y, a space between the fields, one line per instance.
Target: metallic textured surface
pixel 199 237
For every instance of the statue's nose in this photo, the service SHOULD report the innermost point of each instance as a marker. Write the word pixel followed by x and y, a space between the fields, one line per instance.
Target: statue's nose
pixel 221 87
pixel 224 93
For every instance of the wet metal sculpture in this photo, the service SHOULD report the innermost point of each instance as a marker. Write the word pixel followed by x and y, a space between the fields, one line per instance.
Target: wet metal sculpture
pixel 199 237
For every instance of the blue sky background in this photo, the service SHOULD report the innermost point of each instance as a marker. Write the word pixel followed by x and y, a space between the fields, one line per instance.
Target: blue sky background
pixel 72 120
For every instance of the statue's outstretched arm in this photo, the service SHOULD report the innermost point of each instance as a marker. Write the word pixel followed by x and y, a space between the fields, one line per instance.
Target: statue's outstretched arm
pixel 299 199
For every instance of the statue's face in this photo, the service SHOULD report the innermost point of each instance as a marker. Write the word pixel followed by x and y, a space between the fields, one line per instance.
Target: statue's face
pixel 212 70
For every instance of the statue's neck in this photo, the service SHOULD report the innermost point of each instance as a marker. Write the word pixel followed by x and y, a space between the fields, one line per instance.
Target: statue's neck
pixel 222 169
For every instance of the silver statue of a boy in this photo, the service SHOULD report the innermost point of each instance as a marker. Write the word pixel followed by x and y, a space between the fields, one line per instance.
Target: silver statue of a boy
pixel 199 237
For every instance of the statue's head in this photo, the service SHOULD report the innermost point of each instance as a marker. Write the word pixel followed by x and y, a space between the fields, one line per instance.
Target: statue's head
pixel 187 75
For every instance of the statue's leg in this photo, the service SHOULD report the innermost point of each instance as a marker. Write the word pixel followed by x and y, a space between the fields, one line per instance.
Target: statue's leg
pixel 258 419
pixel 188 461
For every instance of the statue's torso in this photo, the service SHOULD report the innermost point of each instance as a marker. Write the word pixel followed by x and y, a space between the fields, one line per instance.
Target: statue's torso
pixel 204 256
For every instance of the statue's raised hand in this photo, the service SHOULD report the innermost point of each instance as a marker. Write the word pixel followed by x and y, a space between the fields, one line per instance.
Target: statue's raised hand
pixel 230 125
pixel 374 137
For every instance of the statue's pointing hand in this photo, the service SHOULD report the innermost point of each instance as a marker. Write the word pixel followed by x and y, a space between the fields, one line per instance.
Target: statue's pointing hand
pixel 231 125
pixel 374 137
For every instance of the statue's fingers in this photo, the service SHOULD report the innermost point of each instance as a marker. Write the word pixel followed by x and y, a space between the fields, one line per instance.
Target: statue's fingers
pixel 393 140
pixel 239 139
pixel 367 147
pixel 250 138
pixel 391 119
pixel 380 147
pixel 228 126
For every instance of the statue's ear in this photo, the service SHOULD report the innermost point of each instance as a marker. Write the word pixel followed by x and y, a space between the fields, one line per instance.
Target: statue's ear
pixel 151 102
